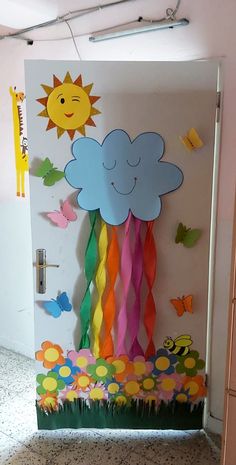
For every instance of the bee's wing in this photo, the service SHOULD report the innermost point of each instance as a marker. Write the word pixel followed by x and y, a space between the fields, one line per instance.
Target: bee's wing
pixel 183 340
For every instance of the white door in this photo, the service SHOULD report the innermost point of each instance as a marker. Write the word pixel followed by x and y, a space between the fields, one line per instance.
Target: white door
pixel 131 328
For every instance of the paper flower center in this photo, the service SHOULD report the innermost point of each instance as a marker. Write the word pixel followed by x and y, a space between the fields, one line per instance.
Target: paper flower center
pixel 193 387
pixel 119 366
pixel 168 384
pixel 64 372
pixel 139 368
pixel 148 384
pixel 81 362
pixel 101 371
pixel 121 400
pixel 113 388
pixel 51 354
pixel 181 397
pixel 132 387
pixel 71 396
pixel 189 362
pixel 50 384
pixel 96 394
pixel 49 402
pixel 162 363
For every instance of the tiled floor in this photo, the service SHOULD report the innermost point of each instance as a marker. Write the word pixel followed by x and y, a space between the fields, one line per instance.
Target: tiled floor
pixel 22 444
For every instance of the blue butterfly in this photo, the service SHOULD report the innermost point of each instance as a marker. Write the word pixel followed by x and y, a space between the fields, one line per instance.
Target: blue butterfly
pixel 56 306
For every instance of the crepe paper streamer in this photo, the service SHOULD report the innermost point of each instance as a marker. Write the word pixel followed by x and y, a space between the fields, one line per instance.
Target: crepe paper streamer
pixel 55 307
pixel 137 274
pixel 182 305
pixel 101 284
pixel 150 261
pixel 21 157
pixel 68 105
pixel 63 217
pixel 187 236
pixel 125 274
pixel 179 346
pixel 109 307
pixel 49 173
pixel 90 267
pixel 192 140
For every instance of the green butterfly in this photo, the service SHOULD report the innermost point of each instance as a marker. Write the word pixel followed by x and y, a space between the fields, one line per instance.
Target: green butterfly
pixel 187 236
pixel 49 173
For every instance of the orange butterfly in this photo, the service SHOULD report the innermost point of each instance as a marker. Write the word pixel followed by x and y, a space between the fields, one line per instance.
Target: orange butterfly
pixel 183 305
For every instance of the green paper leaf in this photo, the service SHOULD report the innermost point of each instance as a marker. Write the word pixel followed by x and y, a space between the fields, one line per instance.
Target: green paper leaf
pixel 60 384
pixel 180 369
pixel 181 230
pixel 200 364
pixel 44 168
pixel 40 377
pixel 40 390
pixel 53 176
pixel 52 374
pixel 191 237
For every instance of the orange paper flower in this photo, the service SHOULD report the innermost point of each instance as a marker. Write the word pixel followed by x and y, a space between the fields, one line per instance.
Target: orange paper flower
pixel 82 381
pixel 195 385
pixel 123 367
pixel 50 355
pixel 48 401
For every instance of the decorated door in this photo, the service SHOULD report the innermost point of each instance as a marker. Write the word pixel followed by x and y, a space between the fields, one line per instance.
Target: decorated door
pixel 121 161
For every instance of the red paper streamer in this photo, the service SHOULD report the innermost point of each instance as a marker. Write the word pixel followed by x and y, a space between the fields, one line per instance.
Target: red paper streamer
pixel 150 262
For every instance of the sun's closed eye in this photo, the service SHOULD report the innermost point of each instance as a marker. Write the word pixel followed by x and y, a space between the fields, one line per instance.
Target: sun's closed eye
pixel 134 164
pixel 109 168
pixel 75 98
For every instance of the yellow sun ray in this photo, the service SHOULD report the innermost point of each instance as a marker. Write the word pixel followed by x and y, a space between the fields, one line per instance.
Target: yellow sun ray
pixel 68 105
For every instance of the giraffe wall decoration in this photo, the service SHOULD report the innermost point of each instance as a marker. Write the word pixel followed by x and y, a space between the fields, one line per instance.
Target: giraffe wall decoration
pixel 21 156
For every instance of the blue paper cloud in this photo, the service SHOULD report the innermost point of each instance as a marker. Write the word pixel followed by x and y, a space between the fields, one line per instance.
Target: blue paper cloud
pixel 119 175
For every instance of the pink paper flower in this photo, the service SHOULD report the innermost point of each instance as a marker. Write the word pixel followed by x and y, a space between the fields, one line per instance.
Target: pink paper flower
pixel 96 392
pixel 167 384
pixel 82 358
pixel 141 366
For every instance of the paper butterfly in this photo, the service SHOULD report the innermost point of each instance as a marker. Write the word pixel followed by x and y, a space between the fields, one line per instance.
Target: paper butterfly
pixel 183 305
pixel 187 236
pixel 192 141
pixel 49 173
pixel 56 306
pixel 63 217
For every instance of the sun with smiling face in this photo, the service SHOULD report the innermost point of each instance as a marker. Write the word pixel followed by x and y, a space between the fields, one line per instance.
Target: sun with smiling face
pixel 68 106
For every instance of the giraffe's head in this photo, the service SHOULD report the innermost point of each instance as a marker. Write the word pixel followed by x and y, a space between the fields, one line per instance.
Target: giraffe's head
pixel 19 96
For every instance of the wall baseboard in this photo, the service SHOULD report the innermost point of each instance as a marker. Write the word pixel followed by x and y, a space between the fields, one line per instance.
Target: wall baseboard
pixel 214 425
pixel 17 347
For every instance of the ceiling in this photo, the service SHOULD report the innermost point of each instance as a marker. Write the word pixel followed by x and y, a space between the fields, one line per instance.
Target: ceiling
pixel 104 18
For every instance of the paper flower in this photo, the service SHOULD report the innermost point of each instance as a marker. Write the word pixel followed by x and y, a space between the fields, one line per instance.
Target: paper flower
pixel 49 383
pixel 48 401
pixel 123 367
pixel 66 371
pixel 163 362
pixel 69 394
pixel 50 355
pixel 141 366
pixel 132 388
pixel 195 386
pixel 82 381
pixel 101 370
pixel 181 396
pixel 167 384
pixel 113 388
pixel 120 175
pixel 96 392
pixel 190 364
pixel 148 383
pixel 121 399
pixel 152 397
pixel 82 358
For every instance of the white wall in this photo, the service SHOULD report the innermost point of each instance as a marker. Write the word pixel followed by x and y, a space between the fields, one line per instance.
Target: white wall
pixel 211 33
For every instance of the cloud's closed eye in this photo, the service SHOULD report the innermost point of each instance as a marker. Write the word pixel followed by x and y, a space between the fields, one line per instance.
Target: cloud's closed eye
pixel 111 168
pixel 134 164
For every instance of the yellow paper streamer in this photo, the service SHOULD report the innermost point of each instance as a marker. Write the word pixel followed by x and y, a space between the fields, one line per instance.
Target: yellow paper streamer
pixel 101 284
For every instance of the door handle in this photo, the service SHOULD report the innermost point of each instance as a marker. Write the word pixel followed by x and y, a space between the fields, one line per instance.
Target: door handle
pixel 41 265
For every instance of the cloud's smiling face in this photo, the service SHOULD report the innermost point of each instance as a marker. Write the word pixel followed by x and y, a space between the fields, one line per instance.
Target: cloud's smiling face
pixel 121 175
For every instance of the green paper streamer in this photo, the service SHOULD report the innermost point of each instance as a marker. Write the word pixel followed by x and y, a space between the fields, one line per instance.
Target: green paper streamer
pixel 91 256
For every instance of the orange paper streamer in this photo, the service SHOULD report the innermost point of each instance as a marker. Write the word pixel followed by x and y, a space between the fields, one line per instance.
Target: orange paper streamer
pixel 150 260
pixel 109 306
